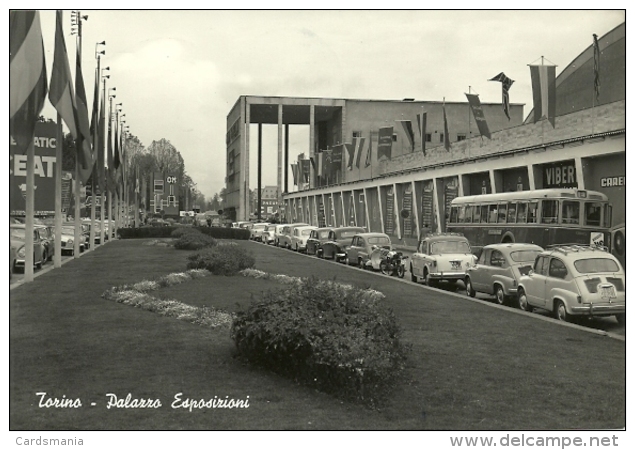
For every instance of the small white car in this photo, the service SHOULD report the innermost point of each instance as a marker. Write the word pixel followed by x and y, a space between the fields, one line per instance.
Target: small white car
pixel 441 256
pixel 268 235
pixel 300 236
pixel 256 231
pixel 575 281
pixel 285 236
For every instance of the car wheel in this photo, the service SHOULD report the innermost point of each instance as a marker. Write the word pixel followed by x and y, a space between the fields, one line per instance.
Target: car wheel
pixel 45 257
pixel 347 261
pixel 296 247
pixel 413 277
pixel 469 289
pixel 523 303
pixel 621 319
pixel 319 254
pixel 361 264
pixel 428 280
pixel 39 264
pixel 500 295
pixel 383 268
pixel 560 311
pixel 401 271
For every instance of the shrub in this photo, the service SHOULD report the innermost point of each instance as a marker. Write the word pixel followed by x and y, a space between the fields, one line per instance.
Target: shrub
pixel 338 338
pixel 226 233
pixel 180 231
pixel 194 241
pixel 223 259
pixel 159 232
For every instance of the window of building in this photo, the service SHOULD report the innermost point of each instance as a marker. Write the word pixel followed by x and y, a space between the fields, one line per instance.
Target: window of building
pixel 461 137
pixel 394 138
pixel 158 186
pixel 440 137
pixel 428 137
pixel 171 199
pixel 357 134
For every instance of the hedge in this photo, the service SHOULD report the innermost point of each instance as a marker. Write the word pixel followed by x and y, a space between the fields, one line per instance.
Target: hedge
pixel 223 259
pixel 337 338
pixel 164 232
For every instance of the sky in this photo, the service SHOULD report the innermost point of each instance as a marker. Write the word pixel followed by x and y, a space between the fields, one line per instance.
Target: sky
pixel 178 73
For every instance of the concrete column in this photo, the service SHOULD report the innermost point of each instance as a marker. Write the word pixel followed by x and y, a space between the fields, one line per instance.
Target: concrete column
pixel 244 188
pixel 381 211
pixel 280 164
pixel 579 174
pixel 286 158
pixel 415 208
pixel 366 209
pixel 492 181
pixel 395 209
pixel 530 176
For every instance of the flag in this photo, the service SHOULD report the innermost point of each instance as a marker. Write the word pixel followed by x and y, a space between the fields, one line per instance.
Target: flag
pixel 294 169
pixel 596 67
pixel 422 120
pixel 506 83
pixel 384 145
pixel 101 148
pixel 369 153
pixel 350 151
pixel 446 134
pixel 358 143
pixel 94 127
pixel 61 92
pixel 407 127
pixel 305 166
pixel 116 158
pixel 543 85
pixel 83 143
pixel 110 157
pixel 479 115
pixel 27 75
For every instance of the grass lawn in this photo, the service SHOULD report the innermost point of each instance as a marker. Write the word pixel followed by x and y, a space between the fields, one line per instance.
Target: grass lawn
pixel 473 367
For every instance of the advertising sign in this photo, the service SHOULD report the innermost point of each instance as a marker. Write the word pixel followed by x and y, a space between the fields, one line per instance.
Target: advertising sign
pixel 44 180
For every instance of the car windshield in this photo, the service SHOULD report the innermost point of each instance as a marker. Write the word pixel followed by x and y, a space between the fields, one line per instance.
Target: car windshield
pixel 346 234
pixel 68 230
pixel 449 247
pixel 306 232
pixel 524 255
pixel 324 234
pixel 258 227
pixel 379 240
pixel 596 265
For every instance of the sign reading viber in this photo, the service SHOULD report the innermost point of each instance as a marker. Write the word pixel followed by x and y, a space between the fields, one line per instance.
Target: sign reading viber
pixel 44 180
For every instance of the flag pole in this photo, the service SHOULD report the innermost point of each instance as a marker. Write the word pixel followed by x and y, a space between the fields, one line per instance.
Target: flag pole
pixel 77 234
pixel 57 255
pixel 30 206
pixel 469 124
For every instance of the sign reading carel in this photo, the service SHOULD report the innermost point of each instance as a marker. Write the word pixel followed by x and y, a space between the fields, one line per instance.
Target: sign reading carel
pixel 44 180
pixel 559 175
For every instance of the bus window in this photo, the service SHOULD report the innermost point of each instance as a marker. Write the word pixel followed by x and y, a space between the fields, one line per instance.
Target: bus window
pixel 492 214
pixel 468 213
pixel 477 213
pixel 461 214
pixel 511 212
pixel 522 213
pixel 453 214
pixel 608 215
pixel 549 211
pixel 502 213
pixel 484 209
pixel 592 214
pixel 571 212
pixel 532 212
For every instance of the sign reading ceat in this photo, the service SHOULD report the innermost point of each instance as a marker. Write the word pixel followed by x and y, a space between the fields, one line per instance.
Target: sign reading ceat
pixel 613 181
pixel 44 164
pixel 559 175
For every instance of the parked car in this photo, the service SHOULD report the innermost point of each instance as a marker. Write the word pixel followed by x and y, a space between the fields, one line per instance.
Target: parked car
pixel 48 240
pixel 277 233
pixel 269 234
pixel 362 245
pixel 574 281
pixel 499 268
pixel 12 259
pixel 68 239
pixel 318 237
pixel 17 240
pixel 335 246
pixel 300 236
pixel 256 231
pixel 441 256
pixel 284 240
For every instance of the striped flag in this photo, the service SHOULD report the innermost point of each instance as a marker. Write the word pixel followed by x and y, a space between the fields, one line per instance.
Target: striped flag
pixel 479 115
pixel 83 144
pixel 294 169
pixel 101 147
pixel 369 153
pixel 446 133
pixel 410 135
pixel 27 76
pixel 422 120
pixel 507 84
pixel 543 85
pixel 350 151
pixel 358 143
pixel 596 67
pixel 61 92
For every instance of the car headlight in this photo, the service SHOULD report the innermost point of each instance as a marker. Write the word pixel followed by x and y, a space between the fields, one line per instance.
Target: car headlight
pixel 21 252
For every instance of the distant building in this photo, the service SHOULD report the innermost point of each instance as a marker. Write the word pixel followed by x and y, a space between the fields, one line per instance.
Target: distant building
pixel 165 194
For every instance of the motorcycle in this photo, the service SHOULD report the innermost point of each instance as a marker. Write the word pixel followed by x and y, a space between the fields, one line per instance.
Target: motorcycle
pixel 388 262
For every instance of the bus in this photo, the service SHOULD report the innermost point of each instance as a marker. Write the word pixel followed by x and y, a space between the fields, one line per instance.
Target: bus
pixel 543 217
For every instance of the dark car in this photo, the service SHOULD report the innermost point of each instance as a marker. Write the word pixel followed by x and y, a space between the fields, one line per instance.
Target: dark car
pixel 18 241
pixel 338 239
pixel 48 240
pixel 316 239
